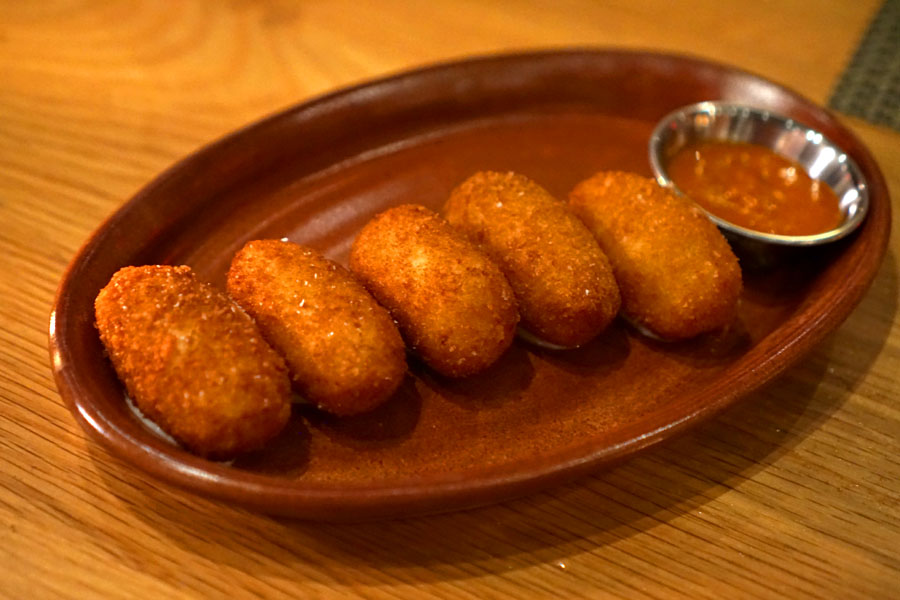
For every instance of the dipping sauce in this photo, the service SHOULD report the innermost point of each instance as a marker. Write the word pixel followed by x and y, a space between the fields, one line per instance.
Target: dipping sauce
pixel 752 187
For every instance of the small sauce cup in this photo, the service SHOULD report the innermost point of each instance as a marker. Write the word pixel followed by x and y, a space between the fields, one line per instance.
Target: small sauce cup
pixel 822 160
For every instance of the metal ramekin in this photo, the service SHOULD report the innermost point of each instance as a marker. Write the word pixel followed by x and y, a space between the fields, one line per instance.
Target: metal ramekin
pixel 822 160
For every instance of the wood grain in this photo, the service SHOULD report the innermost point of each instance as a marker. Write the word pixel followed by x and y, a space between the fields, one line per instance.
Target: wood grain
pixel 794 493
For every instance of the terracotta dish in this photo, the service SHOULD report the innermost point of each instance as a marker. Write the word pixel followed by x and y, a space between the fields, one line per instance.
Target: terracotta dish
pixel 318 172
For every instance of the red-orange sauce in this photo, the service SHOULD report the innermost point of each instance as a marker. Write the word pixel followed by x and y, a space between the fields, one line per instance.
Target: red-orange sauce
pixel 753 187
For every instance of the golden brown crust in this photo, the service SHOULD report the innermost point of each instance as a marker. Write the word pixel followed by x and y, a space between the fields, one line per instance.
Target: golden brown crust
pixel 563 282
pixel 453 305
pixel 343 350
pixel 192 361
pixel 677 274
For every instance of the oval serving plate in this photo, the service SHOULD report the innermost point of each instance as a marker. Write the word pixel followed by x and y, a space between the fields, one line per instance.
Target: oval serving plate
pixel 317 172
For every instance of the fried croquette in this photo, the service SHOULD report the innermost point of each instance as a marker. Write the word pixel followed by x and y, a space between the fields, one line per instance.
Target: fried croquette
pixel 677 275
pixel 192 361
pixel 563 282
pixel 454 307
pixel 343 350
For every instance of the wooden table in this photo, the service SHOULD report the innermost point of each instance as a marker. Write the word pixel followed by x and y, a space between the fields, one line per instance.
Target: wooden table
pixel 794 493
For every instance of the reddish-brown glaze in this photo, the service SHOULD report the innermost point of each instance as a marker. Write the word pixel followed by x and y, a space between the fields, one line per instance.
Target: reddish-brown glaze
pixel 317 173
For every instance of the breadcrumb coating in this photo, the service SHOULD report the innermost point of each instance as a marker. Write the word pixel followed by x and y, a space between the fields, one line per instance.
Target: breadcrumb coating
pixel 676 272
pixel 192 361
pixel 563 282
pixel 454 307
pixel 343 350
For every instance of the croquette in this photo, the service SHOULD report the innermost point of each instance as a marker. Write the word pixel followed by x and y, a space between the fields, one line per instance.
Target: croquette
pixel 563 282
pixel 192 361
pixel 343 350
pixel 676 272
pixel 453 305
